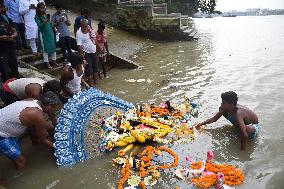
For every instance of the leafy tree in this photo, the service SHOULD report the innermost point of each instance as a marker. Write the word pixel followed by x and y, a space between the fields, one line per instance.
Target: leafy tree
pixel 190 7
pixel 208 6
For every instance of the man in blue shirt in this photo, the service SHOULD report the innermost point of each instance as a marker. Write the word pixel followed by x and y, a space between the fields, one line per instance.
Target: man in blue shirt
pixel 13 13
pixel 61 22
pixel 85 13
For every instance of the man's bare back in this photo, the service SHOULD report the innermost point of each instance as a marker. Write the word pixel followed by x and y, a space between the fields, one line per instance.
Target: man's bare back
pixel 242 117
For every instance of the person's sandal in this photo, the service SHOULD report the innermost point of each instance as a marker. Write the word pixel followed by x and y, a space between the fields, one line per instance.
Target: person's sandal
pixel 47 65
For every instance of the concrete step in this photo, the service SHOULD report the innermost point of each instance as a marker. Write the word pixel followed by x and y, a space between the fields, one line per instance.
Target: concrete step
pixel 164 16
pixel 184 28
pixel 188 31
pixel 23 52
pixel 193 33
pixel 54 71
pixel 30 58
pixel 28 54
pixel 59 60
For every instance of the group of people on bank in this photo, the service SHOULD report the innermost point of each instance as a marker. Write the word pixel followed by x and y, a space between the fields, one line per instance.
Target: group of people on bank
pixel 26 24
pixel 27 100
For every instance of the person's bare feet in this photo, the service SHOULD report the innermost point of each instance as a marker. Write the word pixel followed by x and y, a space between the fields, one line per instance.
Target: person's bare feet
pixel 20 162
pixel 47 65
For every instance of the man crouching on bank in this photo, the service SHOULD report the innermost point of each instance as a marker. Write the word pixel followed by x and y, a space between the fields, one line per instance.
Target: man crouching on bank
pixel 21 116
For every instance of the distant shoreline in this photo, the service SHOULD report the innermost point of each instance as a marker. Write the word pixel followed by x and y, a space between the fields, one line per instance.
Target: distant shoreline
pixel 220 16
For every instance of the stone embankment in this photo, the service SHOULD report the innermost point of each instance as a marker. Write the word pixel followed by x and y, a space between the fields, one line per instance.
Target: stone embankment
pixel 32 66
pixel 138 16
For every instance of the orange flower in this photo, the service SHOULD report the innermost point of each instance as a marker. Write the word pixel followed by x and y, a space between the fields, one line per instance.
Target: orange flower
pixel 160 111
pixel 232 175
pixel 146 160
pixel 142 185
pixel 196 165
pixel 125 174
pixel 167 166
pixel 205 182
pixel 121 153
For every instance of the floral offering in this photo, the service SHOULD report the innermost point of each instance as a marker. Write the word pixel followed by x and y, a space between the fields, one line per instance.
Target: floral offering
pixel 207 174
pixel 147 123
pixel 140 171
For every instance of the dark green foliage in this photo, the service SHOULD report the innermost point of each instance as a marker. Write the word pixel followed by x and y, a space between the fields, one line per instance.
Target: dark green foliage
pixel 190 7
pixel 208 6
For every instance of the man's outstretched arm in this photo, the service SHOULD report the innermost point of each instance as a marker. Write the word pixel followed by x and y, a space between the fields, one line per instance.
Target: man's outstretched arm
pixel 210 120
pixel 244 134
pixel 40 125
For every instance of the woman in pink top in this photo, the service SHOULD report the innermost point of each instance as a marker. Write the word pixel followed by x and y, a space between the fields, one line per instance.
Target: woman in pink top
pixel 102 47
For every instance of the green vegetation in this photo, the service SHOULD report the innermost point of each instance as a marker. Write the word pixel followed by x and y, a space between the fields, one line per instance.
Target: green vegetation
pixel 190 7
pixel 208 6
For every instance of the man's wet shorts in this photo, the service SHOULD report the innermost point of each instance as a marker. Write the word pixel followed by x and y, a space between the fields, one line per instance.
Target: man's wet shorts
pixel 257 128
pixel 10 147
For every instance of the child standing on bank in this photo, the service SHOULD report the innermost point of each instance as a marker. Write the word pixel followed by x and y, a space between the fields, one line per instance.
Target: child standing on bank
pixel 102 47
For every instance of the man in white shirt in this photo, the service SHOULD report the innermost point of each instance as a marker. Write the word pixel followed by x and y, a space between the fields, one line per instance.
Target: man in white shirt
pixel 18 89
pixel 85 38
pixel 27 9
pixel 22 116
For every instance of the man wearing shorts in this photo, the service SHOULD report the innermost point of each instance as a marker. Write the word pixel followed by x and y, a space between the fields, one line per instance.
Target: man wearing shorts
pixel 22 116
pixel 242 117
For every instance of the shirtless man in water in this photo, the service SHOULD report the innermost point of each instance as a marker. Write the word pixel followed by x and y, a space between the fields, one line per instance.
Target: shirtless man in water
pixel 238 115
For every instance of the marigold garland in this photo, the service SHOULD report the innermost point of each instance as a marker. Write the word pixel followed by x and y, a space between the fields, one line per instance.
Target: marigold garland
pixel 196 165
pixel 167 166
pixel 143 114
pixel 232 175
pixel 160 111
pixel 206 181
pixel 146 167
pixel 146 160
pixel 125 174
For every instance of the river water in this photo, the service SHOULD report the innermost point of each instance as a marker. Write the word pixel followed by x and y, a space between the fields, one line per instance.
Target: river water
pixel 244 54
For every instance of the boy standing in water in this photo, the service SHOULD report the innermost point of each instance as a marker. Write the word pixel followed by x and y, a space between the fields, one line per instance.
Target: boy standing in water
pixel 238 115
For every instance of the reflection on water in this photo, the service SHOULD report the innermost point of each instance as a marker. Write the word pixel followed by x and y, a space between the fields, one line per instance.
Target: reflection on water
pixel 244 54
